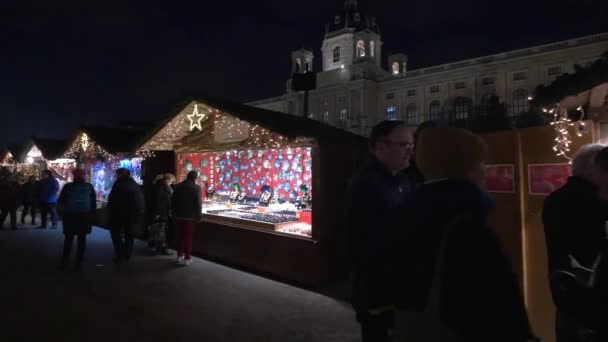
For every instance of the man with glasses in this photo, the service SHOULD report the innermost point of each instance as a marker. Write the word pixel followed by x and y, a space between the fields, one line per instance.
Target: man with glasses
pixel 375 199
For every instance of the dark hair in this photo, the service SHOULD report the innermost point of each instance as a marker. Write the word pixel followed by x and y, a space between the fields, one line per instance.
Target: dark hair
pixel 383 130
pixel 601 160
pixel 192 175
pixel 122 172
pixel 422 127
pixel 47 173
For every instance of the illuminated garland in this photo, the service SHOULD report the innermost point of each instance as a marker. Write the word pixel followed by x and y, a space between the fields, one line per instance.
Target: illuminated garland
pixel 85 146
pixel 8 159
pixel 562 123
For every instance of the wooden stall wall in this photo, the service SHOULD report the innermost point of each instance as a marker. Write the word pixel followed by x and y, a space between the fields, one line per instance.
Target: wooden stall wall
pixel 505 217
pixel 537 148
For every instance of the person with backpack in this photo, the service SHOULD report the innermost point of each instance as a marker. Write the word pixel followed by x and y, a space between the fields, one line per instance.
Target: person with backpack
pixel 77 203
pixel 452 280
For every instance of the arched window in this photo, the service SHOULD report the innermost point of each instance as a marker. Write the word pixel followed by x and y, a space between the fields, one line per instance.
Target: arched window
pixel 462 108
pixel 372 46
pixel 361 48
pixel 391 113
pixel 395 68
pixel 411 114
pixel 307 66
pixel 326 116
pixel 298 65
pixel 337 54
pixel 520 103
pixel 435 110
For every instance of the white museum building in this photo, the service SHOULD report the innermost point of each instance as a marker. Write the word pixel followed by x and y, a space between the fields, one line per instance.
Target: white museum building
pixel 354 91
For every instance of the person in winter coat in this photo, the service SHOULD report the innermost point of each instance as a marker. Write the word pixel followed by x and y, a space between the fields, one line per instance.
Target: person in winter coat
pixel 375 199
pixel 126 209
pixel 9 200
pixel 78 203
pixel 48 192
pixel 151 199
pixel 574 218
pixel 187 206
pixel 29 199
pixel 480 298
pixel 162 215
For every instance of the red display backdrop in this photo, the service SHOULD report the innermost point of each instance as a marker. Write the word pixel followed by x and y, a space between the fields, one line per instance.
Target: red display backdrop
pixel 285 170
pixel 546 178
pixel 500 178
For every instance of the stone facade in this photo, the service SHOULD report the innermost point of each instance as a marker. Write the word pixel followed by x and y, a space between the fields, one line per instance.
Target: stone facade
pixel 354 92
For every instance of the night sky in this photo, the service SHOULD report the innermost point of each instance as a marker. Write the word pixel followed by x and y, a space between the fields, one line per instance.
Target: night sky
pixel 67 63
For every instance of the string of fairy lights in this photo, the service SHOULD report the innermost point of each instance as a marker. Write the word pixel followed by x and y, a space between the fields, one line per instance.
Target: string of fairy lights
pixel 229 127
pixel 84 145
pixel 562 125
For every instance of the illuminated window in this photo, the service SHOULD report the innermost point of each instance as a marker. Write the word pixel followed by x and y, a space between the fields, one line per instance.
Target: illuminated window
pixel 391 113
pixel 307 66
pixel 344 115
pixel 435 110
pixel 411 114
pixel 520 104
pixel 326 116
pixel 337 54
pixel 372 45
pixel 298 65
pixel 395 68
pixel 361 48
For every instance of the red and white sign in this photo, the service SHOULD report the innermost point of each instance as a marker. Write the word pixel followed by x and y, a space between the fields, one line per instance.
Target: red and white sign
pixel 543 179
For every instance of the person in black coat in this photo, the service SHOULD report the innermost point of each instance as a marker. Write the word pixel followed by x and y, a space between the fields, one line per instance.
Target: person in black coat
pixel 480 298
pixel 29 198
pixel 574 218
pixel 162 214
pixel 375 198
pixel 126 209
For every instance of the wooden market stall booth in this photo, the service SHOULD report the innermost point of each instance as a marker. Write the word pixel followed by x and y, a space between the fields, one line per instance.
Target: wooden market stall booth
pixel 273 186
pixel 40 154
pixel 101 150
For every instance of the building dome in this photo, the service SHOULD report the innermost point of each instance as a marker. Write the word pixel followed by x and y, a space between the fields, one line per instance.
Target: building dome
pixel 352 18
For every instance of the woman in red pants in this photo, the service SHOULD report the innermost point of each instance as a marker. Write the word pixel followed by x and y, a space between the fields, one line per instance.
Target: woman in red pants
pixel 187 211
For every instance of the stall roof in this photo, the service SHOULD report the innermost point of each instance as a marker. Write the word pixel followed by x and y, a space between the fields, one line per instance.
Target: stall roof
pixel 117 139
pixel 290 126
pixel 51 148
pixel 17 150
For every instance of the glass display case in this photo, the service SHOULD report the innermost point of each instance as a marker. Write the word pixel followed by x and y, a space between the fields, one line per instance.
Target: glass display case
pixel 103 175
pixel 269 190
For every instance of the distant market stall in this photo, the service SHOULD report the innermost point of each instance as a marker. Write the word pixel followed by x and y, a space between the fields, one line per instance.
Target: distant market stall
pixel 102 150
pixel 273 185
pixel 40 154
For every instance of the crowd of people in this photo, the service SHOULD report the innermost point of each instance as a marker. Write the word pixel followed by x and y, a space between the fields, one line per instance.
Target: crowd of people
pixel 428 267
pixel 76 204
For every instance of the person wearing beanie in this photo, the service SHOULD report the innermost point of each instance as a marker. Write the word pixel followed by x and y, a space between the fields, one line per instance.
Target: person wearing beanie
pixel 375 198
pixel 484 301
pixel 77 203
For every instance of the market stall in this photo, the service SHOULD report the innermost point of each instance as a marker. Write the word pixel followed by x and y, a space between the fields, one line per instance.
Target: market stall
pixel 102 150
pixel 44 154
pixel 272 186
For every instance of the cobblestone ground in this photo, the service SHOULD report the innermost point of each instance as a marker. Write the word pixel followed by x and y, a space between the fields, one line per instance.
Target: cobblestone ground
pixel 151 299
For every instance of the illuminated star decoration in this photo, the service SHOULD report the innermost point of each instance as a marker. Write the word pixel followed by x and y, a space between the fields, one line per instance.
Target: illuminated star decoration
pixel 195 119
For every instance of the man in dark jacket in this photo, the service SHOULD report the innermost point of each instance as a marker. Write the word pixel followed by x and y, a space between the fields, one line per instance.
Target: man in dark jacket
pixel 28 191
pixel 126 208
pixel 376 196
pixel 48 193
pixel 574 218
pixel 187 209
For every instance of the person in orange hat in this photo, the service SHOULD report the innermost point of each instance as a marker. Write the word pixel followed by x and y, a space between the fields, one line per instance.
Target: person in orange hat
pixel 77 202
